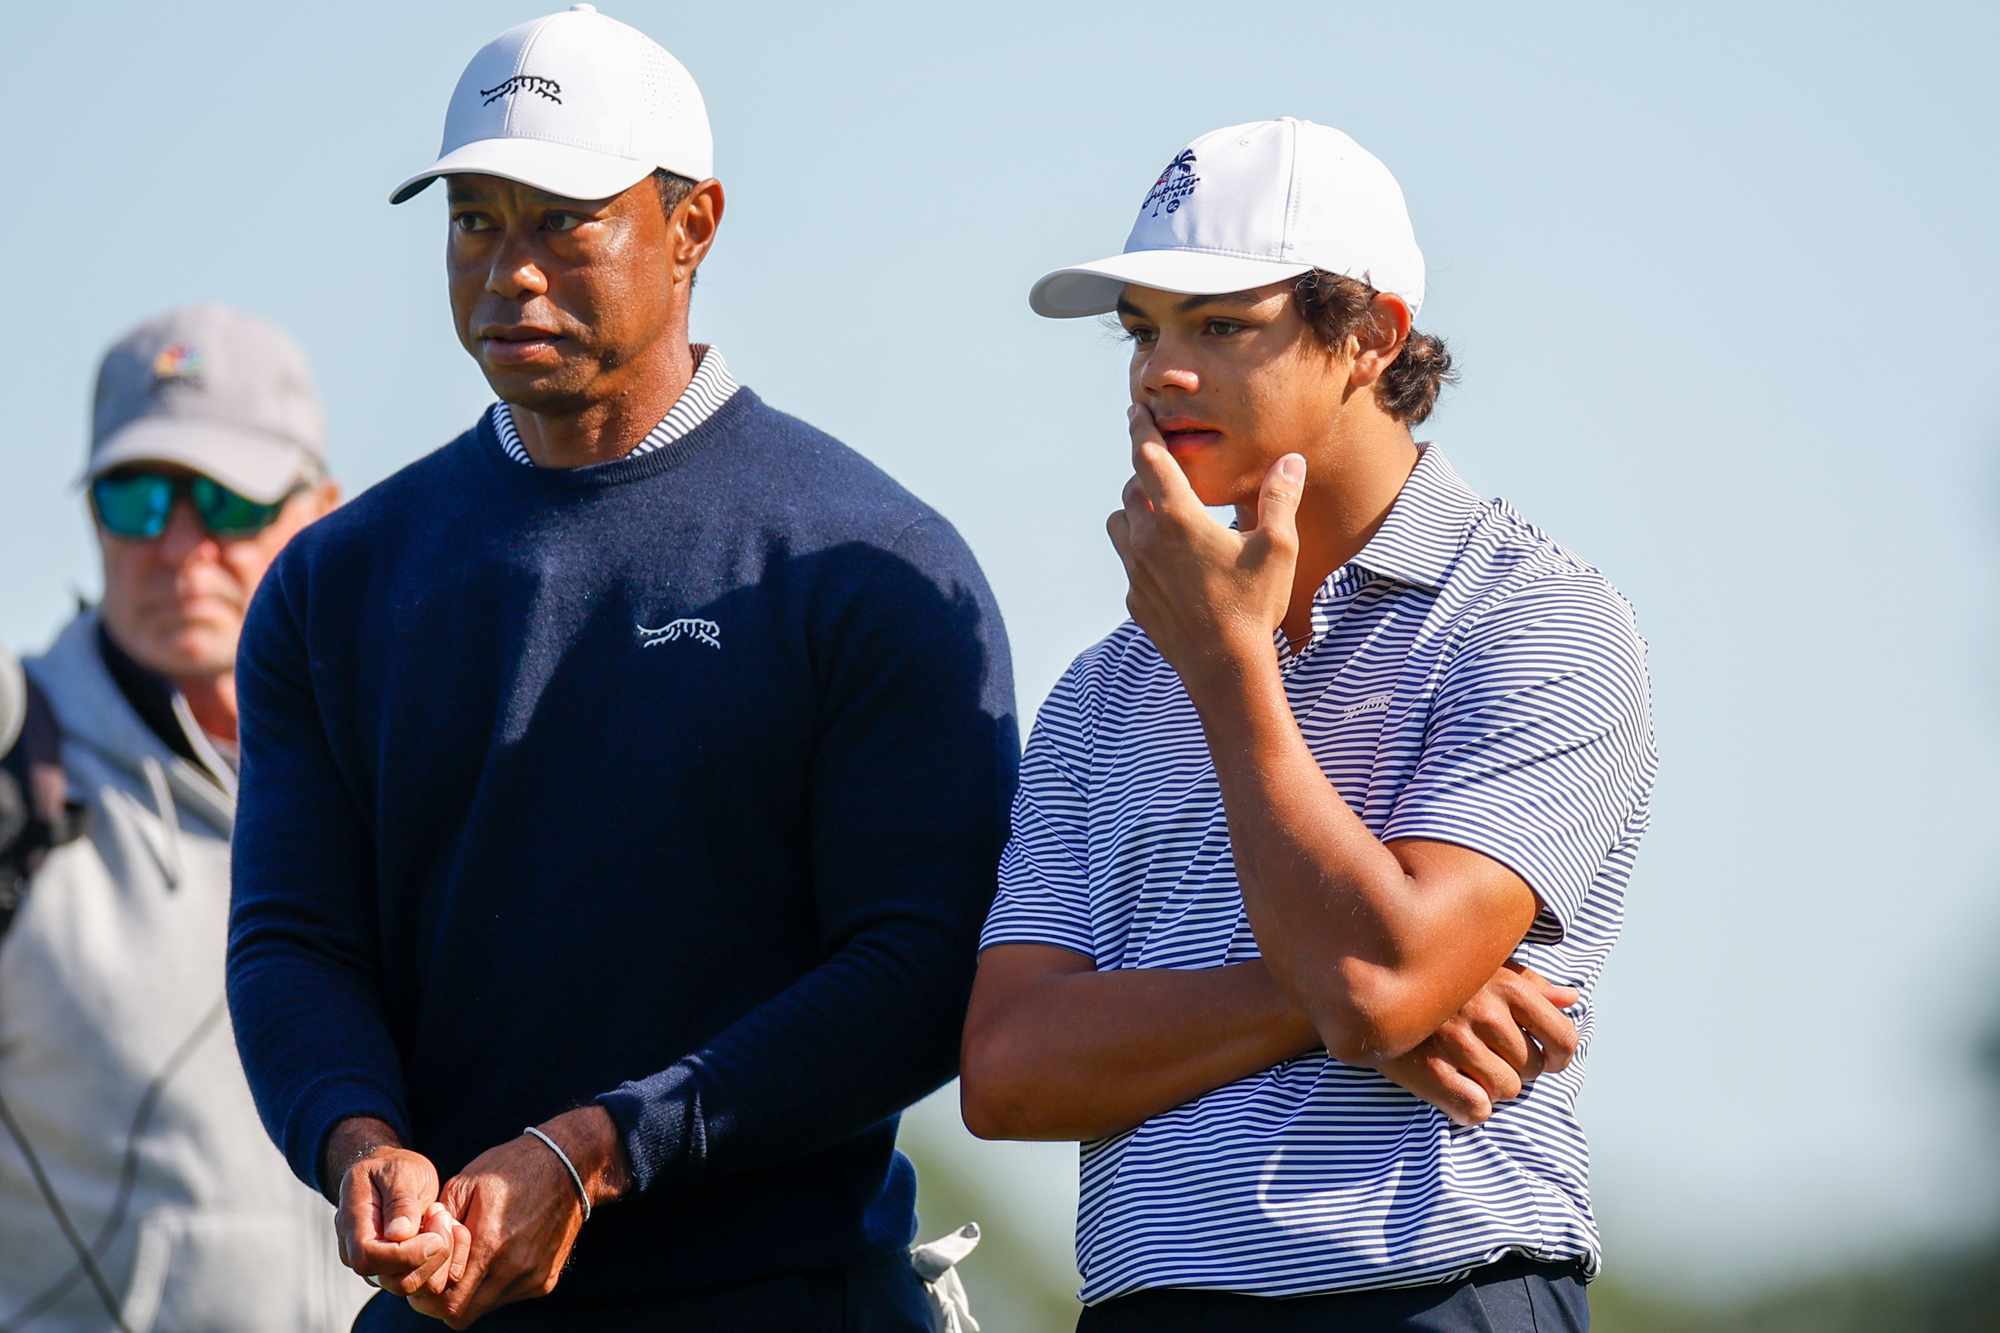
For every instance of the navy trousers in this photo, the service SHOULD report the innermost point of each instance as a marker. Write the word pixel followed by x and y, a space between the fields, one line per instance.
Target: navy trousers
pixel 1512 1296
pixel 879 1296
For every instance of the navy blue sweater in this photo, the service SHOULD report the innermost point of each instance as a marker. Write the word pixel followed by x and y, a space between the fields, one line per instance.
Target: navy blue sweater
pixel 677 783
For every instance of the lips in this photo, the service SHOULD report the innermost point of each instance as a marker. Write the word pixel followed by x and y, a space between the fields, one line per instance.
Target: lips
pixel 1180 433
pixel 520 344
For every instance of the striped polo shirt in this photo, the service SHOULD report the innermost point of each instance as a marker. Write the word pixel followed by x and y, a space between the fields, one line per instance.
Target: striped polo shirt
pixel 705 394
pixel 1466 680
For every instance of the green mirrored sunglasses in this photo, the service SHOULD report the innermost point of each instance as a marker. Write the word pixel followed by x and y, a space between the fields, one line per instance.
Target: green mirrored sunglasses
pixel 135 505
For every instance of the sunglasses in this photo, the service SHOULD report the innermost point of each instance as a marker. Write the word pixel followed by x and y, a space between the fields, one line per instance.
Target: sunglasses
pixel 137 505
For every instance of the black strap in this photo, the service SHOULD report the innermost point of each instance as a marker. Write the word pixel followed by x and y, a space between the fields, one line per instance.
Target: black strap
pixel 36 813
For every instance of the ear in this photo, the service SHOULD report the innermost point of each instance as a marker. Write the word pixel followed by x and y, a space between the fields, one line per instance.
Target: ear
pixel 693 227
pixel 1379 339
pixel 324 497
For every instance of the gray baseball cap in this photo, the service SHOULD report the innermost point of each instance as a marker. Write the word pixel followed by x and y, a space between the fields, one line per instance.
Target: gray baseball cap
pixel 215 390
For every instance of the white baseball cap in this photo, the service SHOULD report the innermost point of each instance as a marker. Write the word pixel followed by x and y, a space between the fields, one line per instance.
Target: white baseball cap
pixel 576 104
pixel 1249 205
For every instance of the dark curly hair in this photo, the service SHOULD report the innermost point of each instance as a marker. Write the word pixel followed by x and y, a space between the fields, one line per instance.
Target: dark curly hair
pixel 1335 307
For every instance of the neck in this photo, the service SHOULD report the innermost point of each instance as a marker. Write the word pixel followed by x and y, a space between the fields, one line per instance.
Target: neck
pixel 212 700
pixel 608 428
pixel 1349 490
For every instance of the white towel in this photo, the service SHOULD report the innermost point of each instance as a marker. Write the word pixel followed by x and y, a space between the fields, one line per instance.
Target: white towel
pixel 937 1264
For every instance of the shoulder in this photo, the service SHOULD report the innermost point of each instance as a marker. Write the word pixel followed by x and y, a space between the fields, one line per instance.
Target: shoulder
pixel 364 533
pixel 369 526
pixel 860 538
pixel 806 479
pixel 1121 672
pixel 1530 601
pixel 382 507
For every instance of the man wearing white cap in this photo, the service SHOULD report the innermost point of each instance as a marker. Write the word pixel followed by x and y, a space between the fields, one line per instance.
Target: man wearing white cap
pixel 1361 770
pixel 137 1189
pixel 653 752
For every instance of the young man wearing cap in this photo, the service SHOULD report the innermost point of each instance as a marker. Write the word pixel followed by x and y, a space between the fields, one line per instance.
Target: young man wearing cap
pixel 654 752
pixel 137 1189
pixel 1276 833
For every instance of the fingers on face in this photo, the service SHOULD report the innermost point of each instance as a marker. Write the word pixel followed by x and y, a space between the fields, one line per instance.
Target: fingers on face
pixel 1135 499
pixel 1119 528
pixel 1278 503
pixel 1140 425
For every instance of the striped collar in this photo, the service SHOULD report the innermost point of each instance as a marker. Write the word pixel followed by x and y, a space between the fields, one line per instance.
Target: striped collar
pixel 705 394
pixel 1425 528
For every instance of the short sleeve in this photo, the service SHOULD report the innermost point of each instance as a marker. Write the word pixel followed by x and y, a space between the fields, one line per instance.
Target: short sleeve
pixel 1539 751
pixel 1044 889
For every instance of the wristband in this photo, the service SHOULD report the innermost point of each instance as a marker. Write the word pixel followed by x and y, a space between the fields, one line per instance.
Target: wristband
pixel 569 1166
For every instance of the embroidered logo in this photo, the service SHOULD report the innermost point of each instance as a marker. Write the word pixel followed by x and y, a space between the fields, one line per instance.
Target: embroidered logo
pixel 1175 185
pixel 523 83
pixel 176 361
pixel 701 631
pixel 1374 703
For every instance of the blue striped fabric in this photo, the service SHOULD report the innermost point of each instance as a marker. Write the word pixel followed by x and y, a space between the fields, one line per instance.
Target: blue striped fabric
pixel 1466 680
pixel 706 392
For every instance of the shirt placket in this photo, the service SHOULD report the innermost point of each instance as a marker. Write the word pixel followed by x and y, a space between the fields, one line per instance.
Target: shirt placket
pixel 1329 604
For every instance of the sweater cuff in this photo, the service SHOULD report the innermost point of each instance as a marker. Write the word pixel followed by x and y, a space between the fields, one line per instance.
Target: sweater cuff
pixel 661 1123
pixel 325 1105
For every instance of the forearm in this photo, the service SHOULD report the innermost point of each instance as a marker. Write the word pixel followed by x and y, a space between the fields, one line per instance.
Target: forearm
pixel 303 964
pixel 1089 1054
pixel 858 1038
pixel 311 1035
pixel 1335 915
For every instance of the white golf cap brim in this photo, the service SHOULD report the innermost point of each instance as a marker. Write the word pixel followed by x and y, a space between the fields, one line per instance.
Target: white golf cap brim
pixel 556 168
pixel 255 466
pixel 1093 288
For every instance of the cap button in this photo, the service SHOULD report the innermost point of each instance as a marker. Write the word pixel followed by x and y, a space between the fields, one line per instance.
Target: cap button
pixel 583 9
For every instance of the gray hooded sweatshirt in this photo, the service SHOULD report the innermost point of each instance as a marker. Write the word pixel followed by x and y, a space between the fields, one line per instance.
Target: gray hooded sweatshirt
pixel 128 1129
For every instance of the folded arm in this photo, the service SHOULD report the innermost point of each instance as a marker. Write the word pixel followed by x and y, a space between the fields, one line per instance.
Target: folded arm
pixel 1534 756
pixel 1379 943
pixel 1535 751
pixel 1055 1049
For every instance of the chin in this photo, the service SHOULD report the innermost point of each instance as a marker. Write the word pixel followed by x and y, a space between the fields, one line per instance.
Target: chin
pixel 555 391
pixel 539 397
pixel 1217 480
pixel 190 651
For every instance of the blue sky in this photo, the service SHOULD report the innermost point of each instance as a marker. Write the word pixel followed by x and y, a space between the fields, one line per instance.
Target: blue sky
pixel 1721 281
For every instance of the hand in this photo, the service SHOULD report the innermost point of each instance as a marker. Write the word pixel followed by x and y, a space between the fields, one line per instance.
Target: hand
pixel 1513 1030
pixel 1209 598
pixel 389 1226
pixel 523 1215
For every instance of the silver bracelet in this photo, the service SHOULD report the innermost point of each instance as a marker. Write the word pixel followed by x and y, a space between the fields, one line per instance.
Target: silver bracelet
pixel 568 1166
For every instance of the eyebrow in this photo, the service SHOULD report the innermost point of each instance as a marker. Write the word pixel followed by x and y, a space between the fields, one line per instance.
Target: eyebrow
pixel 1187 303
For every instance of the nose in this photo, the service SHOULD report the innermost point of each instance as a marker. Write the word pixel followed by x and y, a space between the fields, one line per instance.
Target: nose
pixel 514 274
pixel 1164 369
pixel 183 536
